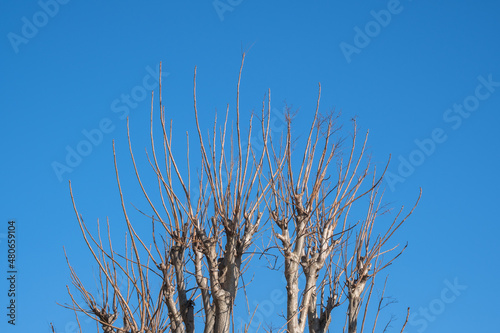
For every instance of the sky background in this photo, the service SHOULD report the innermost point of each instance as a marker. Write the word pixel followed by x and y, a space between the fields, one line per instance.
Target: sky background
pixel 65 68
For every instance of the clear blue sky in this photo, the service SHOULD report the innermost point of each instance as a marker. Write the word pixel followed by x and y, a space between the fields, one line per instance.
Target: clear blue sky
pixel 423 76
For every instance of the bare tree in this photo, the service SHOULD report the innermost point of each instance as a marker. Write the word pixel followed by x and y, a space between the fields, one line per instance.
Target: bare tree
pixel 205 242
pixel 310 211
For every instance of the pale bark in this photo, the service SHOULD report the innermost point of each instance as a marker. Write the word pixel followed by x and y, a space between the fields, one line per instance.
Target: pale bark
pixel 208 240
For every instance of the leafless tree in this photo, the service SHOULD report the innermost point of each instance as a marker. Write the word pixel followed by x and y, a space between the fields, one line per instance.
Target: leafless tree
pixel 205 242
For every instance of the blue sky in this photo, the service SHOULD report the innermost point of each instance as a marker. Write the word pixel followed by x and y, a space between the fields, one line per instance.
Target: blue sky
pixel 422 76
